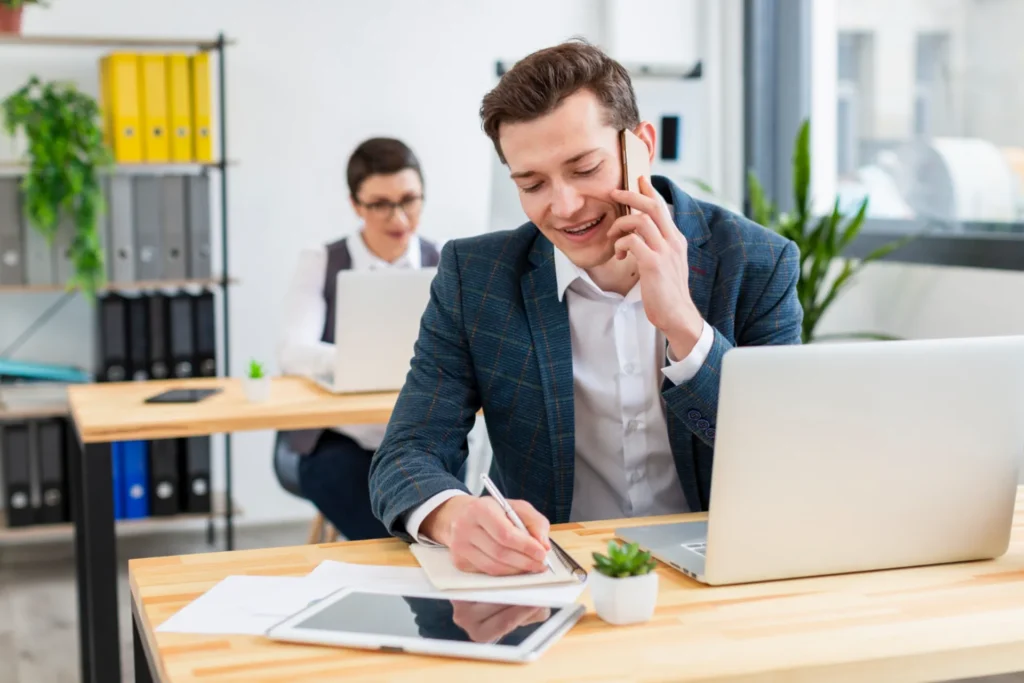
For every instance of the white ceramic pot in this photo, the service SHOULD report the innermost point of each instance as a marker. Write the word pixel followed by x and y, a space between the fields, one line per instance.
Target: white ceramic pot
pixel 256 390
pixel 624 601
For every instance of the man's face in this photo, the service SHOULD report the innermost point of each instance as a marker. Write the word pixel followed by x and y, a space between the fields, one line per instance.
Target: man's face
pixel 565 165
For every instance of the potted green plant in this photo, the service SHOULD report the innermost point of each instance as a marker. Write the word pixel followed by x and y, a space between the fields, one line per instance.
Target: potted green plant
pixel 822 241
pixel 256 383
pixel 10 15
pixel 66 155
pixel 624 585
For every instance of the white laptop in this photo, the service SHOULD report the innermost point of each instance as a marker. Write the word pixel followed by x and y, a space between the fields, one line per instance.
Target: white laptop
pixel 834 458
pixel 376 323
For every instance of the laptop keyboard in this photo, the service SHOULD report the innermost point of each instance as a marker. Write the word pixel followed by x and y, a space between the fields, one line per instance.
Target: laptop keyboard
pixel 697 547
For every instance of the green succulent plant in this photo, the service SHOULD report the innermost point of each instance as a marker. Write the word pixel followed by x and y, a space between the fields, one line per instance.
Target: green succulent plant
pixel 255 370
pixel 623 561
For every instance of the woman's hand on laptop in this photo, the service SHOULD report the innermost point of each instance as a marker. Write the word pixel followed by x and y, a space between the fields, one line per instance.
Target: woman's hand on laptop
pixel 482 539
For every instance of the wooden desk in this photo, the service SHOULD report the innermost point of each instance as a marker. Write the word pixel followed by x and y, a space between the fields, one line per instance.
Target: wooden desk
pixel 104 413
pixel 922 624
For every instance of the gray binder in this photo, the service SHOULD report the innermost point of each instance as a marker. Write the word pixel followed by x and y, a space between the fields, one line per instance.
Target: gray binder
pixel 120 234
pixel 65 267
pixel 12 269
pixel 200 264
pixel 40 266
pixel 149 259
pixel 174 227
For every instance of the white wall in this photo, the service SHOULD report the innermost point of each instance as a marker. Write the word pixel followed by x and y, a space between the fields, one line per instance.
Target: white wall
pixel 306 82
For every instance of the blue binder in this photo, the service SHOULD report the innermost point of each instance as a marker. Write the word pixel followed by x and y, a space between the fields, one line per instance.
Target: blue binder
pixel 117 475
pixel 135 478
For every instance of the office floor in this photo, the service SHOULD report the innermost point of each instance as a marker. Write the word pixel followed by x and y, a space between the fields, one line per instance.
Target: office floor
pixel 38 629
pixel 38 624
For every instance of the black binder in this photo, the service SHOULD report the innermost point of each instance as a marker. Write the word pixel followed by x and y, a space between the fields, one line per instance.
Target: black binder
pixel 182 339
pixel 16 462
pixel 163 477
pixel 206 335
pixel 113 341
pixel 195 474
pixel 159 358
pixel 138 338
pixel 52 461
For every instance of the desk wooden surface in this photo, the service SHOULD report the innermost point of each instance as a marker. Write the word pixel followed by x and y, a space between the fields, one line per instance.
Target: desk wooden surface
pixel 116 411
pixel 922 624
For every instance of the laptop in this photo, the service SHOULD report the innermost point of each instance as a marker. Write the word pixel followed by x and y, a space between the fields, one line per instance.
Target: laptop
pixel 376 323
pixel 836 458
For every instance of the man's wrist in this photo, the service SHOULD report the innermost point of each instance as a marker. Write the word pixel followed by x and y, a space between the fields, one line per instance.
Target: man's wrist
pixel 683 338
pixel 437 526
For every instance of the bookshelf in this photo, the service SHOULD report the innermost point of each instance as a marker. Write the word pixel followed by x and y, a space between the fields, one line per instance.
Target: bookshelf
pixel 217 47
pixel 125 286
pixel 62 532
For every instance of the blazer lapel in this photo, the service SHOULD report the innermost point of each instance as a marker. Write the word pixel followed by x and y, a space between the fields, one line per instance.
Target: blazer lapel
pixel 549 326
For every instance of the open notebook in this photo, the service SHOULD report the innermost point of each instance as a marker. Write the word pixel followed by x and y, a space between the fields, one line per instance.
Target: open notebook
pixel 437 563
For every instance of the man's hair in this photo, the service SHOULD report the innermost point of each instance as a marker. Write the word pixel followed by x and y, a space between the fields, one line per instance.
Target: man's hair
pixel 382 156
pixel 536 85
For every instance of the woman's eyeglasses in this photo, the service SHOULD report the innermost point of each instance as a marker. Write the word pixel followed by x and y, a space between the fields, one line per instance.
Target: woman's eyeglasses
pixel 383 208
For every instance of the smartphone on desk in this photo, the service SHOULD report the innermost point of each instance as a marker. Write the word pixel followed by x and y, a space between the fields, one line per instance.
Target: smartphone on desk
pixel 636 162
pixel 182 396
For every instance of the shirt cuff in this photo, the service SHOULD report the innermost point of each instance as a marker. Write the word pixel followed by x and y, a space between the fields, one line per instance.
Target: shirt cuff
pixel 418 514
pixel 684 370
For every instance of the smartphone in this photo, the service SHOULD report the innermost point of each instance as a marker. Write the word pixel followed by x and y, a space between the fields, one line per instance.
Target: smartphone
pixel 636 162
pixel 182 396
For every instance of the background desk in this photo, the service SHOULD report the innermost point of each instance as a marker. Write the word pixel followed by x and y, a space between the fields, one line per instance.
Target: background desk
pixel 929 623
pixel 105 413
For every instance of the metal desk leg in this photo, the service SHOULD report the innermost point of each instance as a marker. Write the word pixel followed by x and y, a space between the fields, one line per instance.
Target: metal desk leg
pixel 92 498
pixel 143 674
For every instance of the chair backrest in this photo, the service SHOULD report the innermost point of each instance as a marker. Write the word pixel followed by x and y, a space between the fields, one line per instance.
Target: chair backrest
pixel 286 465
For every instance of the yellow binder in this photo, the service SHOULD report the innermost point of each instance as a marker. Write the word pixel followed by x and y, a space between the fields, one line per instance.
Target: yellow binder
pixel 179 99
pixel 202 132
pixel 156 143
pixel 119 103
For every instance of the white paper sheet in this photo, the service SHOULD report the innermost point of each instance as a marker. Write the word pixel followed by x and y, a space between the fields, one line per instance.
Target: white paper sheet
pixel 246 605
pixel 414 580
pixel 249 605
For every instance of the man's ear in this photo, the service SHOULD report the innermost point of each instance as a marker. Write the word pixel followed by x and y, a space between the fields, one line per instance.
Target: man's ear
pixel 355 205
pixel 649 134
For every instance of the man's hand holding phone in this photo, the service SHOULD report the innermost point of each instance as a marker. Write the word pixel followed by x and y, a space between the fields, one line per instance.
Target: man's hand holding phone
pixel 659 248
pixel 482 539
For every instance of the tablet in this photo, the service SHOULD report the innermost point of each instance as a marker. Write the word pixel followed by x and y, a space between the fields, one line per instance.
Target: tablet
pixel 182 395
pixel 428 625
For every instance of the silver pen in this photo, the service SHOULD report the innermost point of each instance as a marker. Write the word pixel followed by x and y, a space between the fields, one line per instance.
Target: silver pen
pixel 509 512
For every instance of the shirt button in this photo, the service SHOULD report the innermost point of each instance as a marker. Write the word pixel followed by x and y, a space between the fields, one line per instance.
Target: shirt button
pixel 630 368
pixel 703 424
pixel 632 426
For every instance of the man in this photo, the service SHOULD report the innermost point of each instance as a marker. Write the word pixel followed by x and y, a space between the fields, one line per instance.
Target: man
pixel 592 342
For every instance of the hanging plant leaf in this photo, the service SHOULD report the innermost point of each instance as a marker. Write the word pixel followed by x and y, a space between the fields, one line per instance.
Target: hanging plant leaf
pixel 66 153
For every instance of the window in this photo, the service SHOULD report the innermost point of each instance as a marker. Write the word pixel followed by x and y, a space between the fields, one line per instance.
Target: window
pixel 926 111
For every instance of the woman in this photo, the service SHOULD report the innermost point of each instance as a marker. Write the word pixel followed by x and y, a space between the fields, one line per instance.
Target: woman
pixel 386 190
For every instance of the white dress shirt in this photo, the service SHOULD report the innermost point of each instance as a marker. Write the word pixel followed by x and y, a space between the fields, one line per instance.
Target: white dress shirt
pixel 624 465
pixel 300 351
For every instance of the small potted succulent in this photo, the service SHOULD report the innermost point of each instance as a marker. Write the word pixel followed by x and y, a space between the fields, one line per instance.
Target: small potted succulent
pixel 256 383
pixel 624 586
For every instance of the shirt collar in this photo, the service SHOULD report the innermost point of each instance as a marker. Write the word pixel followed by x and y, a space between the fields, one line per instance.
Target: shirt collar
pixel 567 272
pixel 363 258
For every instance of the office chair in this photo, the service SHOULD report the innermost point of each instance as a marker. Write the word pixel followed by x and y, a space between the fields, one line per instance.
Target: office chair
pixel 286 468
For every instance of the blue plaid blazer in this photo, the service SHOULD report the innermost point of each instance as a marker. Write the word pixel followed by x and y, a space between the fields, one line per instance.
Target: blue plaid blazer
pixel 495 336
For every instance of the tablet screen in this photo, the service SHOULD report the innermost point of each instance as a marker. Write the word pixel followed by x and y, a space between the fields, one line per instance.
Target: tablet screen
pixel 432 618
